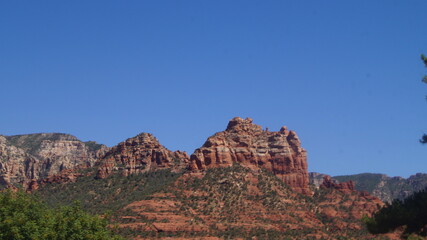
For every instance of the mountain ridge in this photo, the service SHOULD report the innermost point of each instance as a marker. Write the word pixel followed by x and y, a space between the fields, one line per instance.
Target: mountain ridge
pixel 243 181
pixel 27 146
pixel 385 187
pixel 380 185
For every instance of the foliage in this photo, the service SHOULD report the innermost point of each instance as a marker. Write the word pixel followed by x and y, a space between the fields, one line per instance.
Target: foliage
pixel 411 212
pixel 227 190
pixel 230 202
pixel 109 194
pixel 234 194
pixel 22 216
pixel 424 59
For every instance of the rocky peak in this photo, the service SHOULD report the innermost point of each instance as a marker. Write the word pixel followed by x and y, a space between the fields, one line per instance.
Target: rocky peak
pixel 146 140
pixel 248 144
pixel 243 126
pixel 140 154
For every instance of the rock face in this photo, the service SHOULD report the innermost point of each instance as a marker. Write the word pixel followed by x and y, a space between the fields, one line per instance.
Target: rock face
pixel 248 144
pixel 27 158
pixel 344 186
pixel 140 154
pixel 316 179
pixel 65 176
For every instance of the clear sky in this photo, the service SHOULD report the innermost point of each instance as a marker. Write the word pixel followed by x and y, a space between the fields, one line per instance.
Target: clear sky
pixel 345 75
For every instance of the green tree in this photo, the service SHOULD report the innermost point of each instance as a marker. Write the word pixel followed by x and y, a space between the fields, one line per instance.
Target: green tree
pixel 23 217
pixel 411 212
pixel 424 59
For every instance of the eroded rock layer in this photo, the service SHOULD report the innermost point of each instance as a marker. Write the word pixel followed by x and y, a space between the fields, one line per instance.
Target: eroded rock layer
pixel 140 154
pixel 27 158
pixel 248 144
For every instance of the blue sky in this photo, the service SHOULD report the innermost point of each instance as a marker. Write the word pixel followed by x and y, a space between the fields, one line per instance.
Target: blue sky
pixel 345 75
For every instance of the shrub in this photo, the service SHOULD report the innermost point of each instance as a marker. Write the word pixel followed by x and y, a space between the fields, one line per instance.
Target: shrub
pixel 22 216
pixel 411 212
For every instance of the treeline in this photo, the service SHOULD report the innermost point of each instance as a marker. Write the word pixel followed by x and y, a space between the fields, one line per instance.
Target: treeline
pixel 411 213
pixel 22 216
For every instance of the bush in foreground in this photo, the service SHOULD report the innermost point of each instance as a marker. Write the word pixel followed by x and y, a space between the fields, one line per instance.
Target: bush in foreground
pixel 22 216
pixel 411 213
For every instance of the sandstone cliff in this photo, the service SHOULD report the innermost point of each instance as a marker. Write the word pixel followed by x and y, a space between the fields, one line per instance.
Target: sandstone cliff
pixel 140 154
pixel 248 144
pixel 31 157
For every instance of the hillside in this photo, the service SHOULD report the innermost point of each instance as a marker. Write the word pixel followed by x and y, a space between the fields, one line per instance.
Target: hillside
pixel 223 202
pixel 243 182
pixel 387 188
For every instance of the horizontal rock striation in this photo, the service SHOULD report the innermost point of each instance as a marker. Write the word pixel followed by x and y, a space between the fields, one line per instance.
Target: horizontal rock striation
pixel 140 154
pixel 27 158
pixel 248 144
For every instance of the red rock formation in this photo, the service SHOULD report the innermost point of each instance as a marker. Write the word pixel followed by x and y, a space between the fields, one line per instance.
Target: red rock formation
pixel 140 154
pixel 316 179
pixel 230 199
pixel 65 176
pixel 247 144
pixel 343 187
